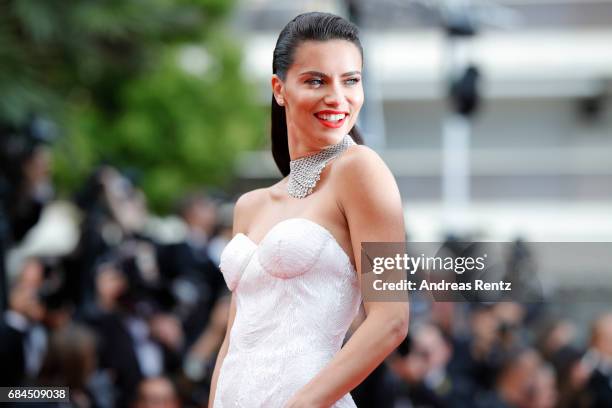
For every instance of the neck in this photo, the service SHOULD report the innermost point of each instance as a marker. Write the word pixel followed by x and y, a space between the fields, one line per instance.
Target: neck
pixel 306 171
pixel 300 147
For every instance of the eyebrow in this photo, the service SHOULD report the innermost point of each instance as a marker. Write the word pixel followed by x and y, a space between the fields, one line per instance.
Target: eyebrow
pixel 322 74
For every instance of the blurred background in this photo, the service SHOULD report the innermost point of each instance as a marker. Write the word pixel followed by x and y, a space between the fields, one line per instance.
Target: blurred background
pixel 128 128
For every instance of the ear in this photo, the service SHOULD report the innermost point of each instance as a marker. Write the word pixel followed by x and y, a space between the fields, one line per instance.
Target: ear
pixel 278 89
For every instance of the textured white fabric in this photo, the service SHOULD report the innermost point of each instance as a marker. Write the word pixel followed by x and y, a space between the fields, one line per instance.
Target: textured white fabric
pixel 296 295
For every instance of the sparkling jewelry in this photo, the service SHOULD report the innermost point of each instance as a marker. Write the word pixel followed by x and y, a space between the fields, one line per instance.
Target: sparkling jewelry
pixel 305 172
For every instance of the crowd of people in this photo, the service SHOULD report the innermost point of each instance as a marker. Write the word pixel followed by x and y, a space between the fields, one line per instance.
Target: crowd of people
pixel 130 319
pixel 503 355
pixel 126 317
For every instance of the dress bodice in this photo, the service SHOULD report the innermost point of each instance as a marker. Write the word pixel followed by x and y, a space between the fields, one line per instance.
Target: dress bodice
pixel 296 295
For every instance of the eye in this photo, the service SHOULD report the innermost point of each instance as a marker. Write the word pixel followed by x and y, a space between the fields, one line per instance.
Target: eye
pixel 352 81
pixel 314 81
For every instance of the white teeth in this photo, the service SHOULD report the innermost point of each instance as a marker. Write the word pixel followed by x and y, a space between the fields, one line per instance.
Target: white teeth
pixel 332 118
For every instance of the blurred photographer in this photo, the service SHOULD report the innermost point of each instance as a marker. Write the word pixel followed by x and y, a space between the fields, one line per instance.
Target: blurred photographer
pixel 113 212
pixel 137 337
pixel 598 359
pixel 422 365
pixel 194 278
pixel 33 310
pixel 25 186
pixel 25 162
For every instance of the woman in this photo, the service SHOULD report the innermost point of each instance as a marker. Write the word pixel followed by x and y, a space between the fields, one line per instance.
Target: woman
pixel 291 263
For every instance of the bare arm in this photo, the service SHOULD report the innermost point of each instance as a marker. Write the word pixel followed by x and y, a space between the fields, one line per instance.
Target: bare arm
pixel 372 205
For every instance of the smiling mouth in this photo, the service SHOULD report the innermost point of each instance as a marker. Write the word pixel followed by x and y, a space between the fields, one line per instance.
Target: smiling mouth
pixel 331 117
pixel 331 120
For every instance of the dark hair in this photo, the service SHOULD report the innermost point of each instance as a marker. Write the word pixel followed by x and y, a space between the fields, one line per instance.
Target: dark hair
pixel 312 26
pixel 70 358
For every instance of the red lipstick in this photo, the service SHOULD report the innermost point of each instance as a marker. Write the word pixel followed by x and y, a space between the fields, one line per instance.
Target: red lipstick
pixel 332 118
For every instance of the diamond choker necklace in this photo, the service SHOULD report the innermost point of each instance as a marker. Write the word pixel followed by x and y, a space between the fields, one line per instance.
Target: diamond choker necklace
pixel 305 172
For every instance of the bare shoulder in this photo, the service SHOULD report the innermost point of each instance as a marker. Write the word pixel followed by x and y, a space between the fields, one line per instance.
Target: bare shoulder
pixel 360 158
pixel 368 195
pixel 361 169
pixel 245 208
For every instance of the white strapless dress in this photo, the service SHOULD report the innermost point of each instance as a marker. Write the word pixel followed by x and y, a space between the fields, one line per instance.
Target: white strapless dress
pixel 296 295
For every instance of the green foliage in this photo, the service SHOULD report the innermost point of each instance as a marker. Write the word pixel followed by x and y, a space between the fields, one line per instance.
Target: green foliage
pixel 151 85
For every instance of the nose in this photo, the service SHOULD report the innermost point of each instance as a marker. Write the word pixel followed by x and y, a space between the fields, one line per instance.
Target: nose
pixel 334 96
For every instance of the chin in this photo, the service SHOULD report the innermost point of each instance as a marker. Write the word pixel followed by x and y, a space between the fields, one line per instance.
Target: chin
pixel 335 135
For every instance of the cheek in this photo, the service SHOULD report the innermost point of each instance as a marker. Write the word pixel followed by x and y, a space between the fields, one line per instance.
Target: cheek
pixel 356 102
pixel 302 104
pixel 357 98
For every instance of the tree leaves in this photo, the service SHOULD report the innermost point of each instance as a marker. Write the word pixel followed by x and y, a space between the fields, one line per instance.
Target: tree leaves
pixel 154 85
